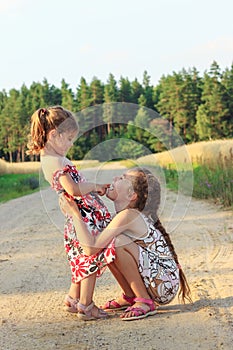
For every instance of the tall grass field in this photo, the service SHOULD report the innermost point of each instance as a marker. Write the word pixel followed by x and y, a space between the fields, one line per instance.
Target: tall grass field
pixel 209 163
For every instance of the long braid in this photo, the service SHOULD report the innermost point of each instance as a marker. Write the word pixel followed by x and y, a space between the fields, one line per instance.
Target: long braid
pixel 184 292
pixel 148 190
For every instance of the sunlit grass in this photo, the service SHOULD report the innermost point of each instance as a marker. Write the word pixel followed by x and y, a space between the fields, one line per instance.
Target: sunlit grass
pixel 18 185
pixel 212 180
pixel 215 180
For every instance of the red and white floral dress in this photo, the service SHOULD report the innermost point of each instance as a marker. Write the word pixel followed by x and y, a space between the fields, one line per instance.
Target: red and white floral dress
pixel 96 216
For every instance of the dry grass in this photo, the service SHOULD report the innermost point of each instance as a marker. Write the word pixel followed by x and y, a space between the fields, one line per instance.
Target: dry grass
pixel 19 168
pixel 206 152
pixel 34 167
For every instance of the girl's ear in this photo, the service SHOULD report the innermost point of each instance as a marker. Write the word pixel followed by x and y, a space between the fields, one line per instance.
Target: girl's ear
pixel 52 134
pixel 132 195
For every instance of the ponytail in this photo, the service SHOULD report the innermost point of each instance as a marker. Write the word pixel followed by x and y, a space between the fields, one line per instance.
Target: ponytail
pixel 39 131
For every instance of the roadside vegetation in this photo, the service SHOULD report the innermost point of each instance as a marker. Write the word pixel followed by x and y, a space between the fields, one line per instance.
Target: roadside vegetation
pixel 210 168
pixel 17 185
pixel 210 172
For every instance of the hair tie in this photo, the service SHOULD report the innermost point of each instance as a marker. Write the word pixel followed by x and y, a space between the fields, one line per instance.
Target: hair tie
pixel 42 112
pixel 179 266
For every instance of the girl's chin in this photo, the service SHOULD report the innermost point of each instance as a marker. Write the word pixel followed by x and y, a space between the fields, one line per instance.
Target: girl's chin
pixel 110 194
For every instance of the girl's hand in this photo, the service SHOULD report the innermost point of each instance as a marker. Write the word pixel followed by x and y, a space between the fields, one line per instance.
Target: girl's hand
pixel 102 189
pixel 67 204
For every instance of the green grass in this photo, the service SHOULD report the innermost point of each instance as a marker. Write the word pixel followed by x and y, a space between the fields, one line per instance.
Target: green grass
pixel 18 185
pixel 214 183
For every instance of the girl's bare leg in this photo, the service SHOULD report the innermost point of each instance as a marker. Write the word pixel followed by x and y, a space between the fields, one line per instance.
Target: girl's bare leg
pixel 121 280
pixel 87 286
pixel 127 265
pixel 74 291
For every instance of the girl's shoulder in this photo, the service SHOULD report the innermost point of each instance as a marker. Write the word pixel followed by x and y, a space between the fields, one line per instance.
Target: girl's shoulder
pixel 133 217
pixel 130 212
pixel 60 161
pixel 137 226
pixel 50 164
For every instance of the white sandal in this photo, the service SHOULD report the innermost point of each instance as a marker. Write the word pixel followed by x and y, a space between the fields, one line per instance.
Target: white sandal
pixel 85 312
pixel 71 304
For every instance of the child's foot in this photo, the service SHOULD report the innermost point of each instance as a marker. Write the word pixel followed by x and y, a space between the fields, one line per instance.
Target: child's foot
pixel 141 309
pixel 120 303
pixel 90 312
pixel 71 304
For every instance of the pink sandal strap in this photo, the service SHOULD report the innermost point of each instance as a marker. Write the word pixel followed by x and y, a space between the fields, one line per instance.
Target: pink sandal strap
pixel 71 304
pixel 130 300
pixel 111 303
pixel 85 312
pixel 136 310
pixel 139 312
pixel 114 305
pixel 149 302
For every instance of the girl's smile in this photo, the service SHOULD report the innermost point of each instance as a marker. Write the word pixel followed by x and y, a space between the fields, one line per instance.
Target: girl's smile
pixel 120 189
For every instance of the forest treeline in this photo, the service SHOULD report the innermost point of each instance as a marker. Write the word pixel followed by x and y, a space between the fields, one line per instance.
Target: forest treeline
pixel 183 107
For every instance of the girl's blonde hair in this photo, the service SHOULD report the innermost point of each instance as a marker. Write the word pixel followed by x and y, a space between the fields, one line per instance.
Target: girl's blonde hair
pixel 148 190
pixel 46 119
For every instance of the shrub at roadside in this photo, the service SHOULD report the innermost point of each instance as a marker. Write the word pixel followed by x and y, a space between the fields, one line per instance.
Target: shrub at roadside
pixel 17 185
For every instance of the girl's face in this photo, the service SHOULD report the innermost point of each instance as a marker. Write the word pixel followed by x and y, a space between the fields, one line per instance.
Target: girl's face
pixel 121 189
pixel 62 142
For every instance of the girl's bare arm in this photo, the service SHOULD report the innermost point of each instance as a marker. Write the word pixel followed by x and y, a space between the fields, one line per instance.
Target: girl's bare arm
pixel 122 222
pixel 52 164
pixel 79 189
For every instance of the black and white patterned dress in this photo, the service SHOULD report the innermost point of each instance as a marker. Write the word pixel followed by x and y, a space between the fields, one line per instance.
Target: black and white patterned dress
pixel 157 266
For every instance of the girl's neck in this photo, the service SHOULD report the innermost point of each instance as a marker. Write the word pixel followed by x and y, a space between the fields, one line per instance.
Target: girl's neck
pixel 121 205
pixel 49 151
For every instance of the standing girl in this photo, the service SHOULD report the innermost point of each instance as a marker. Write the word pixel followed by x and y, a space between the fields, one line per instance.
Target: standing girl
pixel 53 131
pixel 146 265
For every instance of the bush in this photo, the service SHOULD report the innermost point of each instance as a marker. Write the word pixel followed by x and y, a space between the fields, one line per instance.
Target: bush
pixel 31 183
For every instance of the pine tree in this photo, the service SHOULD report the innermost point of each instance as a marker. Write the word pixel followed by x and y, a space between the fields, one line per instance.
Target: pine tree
pixel 111 95
pixel 10 125
pixel 136 90
pixel 67 97
pixel 212 115
pixel 148 90
pixel 125 90
pixel 227 81
pixel 97 92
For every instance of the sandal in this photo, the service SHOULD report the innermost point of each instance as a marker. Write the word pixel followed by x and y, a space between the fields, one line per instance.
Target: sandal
pixel 113 305
pixel 139 312
pixel 86 313
pixel 71 304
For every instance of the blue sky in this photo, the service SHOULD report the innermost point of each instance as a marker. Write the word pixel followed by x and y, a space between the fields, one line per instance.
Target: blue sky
pixel 70 39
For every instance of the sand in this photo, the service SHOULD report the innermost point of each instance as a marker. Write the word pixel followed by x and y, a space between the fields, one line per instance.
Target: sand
pixel 35 277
